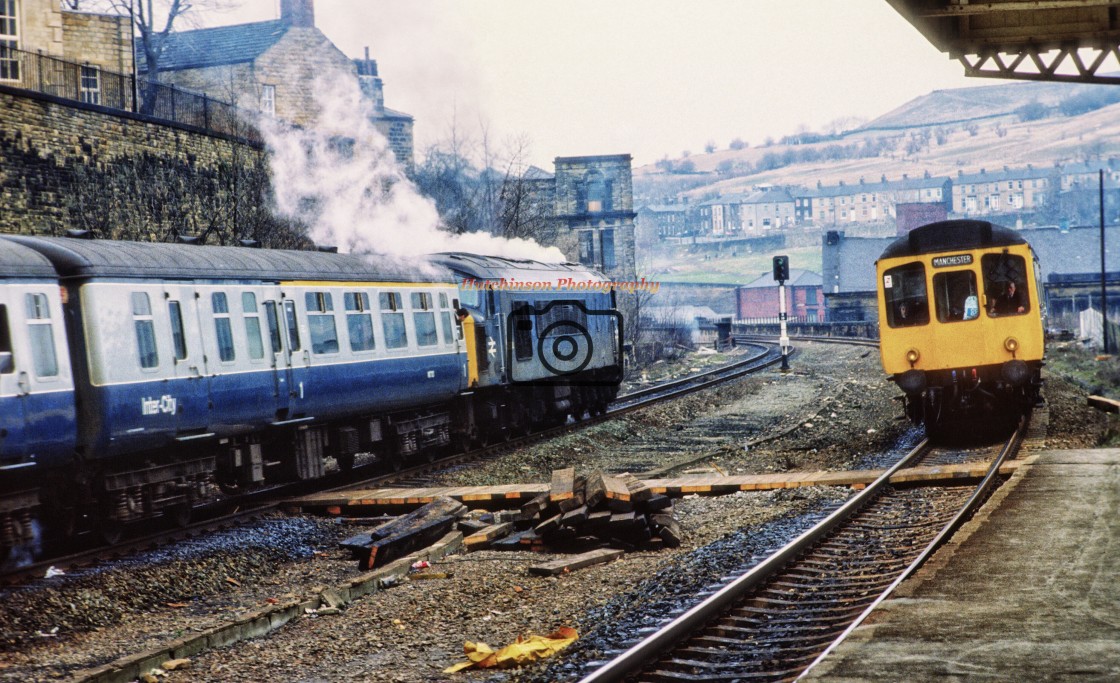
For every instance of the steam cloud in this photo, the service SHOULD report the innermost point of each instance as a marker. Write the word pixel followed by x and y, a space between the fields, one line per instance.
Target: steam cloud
pixel 340 178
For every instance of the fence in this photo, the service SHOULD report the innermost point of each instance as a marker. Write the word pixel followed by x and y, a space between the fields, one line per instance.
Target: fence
pixel 91 84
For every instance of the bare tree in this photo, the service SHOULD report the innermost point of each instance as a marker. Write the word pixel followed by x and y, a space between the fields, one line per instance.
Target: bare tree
pixel 153 21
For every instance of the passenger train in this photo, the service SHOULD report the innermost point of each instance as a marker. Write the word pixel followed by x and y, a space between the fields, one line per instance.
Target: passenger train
pixel 960 324
pixel 137 379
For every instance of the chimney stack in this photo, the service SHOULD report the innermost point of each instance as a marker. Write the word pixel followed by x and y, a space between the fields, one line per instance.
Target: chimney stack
pixel 298 13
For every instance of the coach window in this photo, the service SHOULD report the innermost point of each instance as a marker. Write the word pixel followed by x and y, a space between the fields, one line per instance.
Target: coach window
pixel 955 296
pixel 445 319
pixel 145 330
pixel 392 320
pixel 359 321
pixel 904 293
pixel 7 364
pixel 293 325
pixel 1005 284
pixel 42 338
pixel 178 339
pixel 424 319
pixel 222 326
pixel 320 318
pixel 273 321
pixel 252 325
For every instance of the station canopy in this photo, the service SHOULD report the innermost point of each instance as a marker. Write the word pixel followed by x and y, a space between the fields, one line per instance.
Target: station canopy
pixel 1076 41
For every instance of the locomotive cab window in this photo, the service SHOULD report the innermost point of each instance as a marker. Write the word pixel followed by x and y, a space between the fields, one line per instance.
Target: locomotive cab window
pixel 320 318
pixel 1005 284
pixel 145 330
pixel 904 293
pixel 523 330
pixel 955 296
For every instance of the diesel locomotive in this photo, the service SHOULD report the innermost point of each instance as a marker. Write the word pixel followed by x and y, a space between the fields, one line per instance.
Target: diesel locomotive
pixel 137 379
pixel 960 324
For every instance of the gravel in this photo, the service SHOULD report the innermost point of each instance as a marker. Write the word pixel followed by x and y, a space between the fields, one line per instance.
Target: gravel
pixel 833 410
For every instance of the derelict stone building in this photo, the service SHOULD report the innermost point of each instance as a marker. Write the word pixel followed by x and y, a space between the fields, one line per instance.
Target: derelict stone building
pixel 595 203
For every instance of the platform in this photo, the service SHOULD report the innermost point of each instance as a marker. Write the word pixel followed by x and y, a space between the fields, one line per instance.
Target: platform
pixel 515 495
pixel 1027 591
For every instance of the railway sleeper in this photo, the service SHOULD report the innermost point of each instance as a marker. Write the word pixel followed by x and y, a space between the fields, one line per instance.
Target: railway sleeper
pixel 797 602
pixel 793 619
pixel 755 639
pixel 833 592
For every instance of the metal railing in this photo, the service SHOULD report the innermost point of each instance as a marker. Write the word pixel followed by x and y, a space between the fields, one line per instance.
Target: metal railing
pixel 91 84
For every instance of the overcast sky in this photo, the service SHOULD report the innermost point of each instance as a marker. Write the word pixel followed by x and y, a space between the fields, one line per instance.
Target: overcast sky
pixel 646 77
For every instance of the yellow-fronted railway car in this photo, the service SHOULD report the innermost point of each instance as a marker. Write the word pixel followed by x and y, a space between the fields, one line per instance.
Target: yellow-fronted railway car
pixel 960 323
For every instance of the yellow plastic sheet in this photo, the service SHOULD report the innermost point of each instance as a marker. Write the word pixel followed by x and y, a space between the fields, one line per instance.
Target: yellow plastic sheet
pixel 523 651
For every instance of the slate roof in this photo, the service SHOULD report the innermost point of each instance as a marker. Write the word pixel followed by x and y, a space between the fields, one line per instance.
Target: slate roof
pixel 888 186
pixel 219 46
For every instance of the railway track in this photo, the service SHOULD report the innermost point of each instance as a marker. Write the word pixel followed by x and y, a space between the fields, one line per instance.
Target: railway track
pixel 84 549
pixel 775 621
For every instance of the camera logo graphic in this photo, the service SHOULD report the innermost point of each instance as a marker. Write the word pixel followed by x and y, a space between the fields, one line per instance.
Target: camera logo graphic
pixel 562 342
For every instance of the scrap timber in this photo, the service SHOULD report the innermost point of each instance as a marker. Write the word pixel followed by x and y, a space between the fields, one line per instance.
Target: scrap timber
pixel 613 488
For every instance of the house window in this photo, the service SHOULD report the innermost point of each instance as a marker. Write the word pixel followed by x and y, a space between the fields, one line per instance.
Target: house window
pixel 598 192
pixel 608 248
pixel 268 99
pixel 90 91
pixel 587 247
pixel 9 40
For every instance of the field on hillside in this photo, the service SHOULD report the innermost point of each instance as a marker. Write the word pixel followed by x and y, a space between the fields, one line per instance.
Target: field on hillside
pixel 678 264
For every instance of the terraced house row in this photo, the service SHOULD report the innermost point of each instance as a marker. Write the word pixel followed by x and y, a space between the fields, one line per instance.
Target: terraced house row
pixel 1011 195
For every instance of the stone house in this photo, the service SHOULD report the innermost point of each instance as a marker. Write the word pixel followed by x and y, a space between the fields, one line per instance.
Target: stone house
pixel 865 202
pixel 276 67
pixel 93 42
pixel 999 193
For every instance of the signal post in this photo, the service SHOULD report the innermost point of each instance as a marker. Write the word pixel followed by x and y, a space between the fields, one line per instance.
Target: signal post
pixel 781 274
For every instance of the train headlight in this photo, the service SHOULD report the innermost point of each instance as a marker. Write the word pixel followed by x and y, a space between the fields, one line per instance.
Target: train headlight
pixel 912 381
pixel 1011 344
pixel 1015 372
pixel 912 356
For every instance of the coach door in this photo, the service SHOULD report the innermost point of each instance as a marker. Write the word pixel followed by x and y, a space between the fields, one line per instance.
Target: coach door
pixel 281 361
pixel 190 389
pixel 14 385
pixel 299 360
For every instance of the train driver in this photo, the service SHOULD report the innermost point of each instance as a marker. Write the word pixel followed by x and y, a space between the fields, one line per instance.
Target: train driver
pixel 1009 302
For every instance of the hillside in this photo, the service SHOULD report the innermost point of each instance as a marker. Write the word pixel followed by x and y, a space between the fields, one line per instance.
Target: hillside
pixel 943 133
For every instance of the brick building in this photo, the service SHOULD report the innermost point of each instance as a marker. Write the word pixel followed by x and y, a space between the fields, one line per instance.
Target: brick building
pixel 760 298
pixel 277 67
